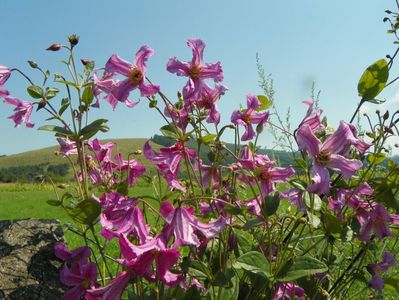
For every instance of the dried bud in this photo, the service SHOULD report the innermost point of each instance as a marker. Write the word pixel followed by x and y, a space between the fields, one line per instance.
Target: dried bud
pixel 54 47
pixel 85 62
pixel 42 104
pixel 73 39
pixel 32 64
pixel 386 115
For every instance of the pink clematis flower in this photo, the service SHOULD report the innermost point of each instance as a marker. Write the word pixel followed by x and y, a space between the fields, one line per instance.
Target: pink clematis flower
pixel 67 147
pixel 135 75
pixel 122 216
pixel 80 254
pixel 183 224
pixel 328 155
pixel 80 277
pixel 22 109
pixel 208 99
pixel 5 73
pixel 138 259
pixel 106 84
pixel 113 290
pixel 388 261
pixel 373 218
pixel 263 170
pixel 249 116
pixel 168 161
pixel 178 114
pixel 312 118
pixel 287 291
pixel 133 168
pixel 197 71
pixel 296 198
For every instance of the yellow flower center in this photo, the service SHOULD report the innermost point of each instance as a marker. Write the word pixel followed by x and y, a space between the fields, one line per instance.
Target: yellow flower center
pixel 135 76
pixel 323 158
pixel 194 71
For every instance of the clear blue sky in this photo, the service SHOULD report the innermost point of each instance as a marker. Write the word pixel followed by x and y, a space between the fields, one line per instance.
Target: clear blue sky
pixel 329 42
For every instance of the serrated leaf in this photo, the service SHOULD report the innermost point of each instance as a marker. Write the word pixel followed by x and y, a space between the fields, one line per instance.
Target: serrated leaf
pixel 265 102
pixel 373 80
pixel 302 266
pixel 35 91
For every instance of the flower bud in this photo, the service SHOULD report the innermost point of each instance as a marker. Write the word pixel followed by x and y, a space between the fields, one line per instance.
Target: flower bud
pixel 259 128
pixel 85 62
pixel 386 115
pixel 32 64
pixel 54 47
pixel 42 104
pixel 73 39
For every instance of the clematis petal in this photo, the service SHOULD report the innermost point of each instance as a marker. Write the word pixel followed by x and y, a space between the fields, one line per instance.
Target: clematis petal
pixel 347 167
pixel 178 67
pixel 321 180
pixel 197 47
pixel 142 56
pixel 115 64
pixel 253 102
pixel 113 290
pixel 147 90
pixel 307 140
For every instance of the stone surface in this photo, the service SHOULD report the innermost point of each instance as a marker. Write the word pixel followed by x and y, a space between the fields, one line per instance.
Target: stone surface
pixel 28 267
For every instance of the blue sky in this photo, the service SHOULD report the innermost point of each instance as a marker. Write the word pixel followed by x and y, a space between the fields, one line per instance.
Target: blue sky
pixel 328 42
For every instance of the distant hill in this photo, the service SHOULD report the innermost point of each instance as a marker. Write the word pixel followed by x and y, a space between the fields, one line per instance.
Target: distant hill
pixel 28 165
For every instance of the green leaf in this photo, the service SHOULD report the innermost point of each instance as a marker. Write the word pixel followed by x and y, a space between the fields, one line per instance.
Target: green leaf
pixel 314 220
pixel 171 131
pixel 199 269
pixel 85 212
pixel 332 224
pixel 94 127
pixel 35 91
pixel 88 95
pixel 265 102
pixel 299 184
pixel 376 101
pixel 54 202
pixel 316 202
pixel 252 223
pixel 231 291
pixel 376 158
pixel 373 80
pixel 300 162
pixel 208 138
pixel 253 262
pixel 64 106
pixel 302 266
pixel 68 83
pixel 51 93
pixel 271 204
pixel 56 129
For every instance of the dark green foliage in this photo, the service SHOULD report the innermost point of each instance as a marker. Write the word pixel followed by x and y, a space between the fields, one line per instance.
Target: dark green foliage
pixel 33 173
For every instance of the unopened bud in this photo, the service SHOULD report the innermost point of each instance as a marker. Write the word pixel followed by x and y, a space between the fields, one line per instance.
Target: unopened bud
pixel 388 11
pixel 377 112
pixel 85 62
pixel 259 128
pixel 32 64
pixel 386 115
pixel 137 152
pixel 42 104
pixel 396 145
pixel 385 19
pixel 73 39
pixel 54 47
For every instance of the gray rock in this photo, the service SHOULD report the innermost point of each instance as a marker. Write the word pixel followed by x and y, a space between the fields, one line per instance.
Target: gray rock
pixel 29 270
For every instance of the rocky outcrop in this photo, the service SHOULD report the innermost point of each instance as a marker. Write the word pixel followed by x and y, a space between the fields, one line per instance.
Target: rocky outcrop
pixel 28 267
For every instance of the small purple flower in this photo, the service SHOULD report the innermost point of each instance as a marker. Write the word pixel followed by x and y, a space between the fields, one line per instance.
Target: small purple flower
pixel 135 75
pixel 388 261
pixel 296 198
pixel 287 291
pixel 249 116
pixel 183 225
pixel 80 254
pixel 207 101
pixel 22 109
pixel 312 119
pixel 197 71
pixel 133 168
pixel 178 115
pixel 328 155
